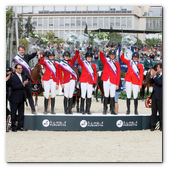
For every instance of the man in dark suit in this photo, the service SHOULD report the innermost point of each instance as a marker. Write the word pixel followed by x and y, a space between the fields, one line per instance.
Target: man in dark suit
pixel 156 79
pixel 25 71
pixel 18 84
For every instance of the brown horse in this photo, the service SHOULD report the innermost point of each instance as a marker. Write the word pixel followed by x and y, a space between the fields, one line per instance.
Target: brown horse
pixel 146 83
pixel 35 82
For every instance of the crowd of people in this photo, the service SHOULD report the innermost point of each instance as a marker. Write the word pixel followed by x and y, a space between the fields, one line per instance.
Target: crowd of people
pixel 62 73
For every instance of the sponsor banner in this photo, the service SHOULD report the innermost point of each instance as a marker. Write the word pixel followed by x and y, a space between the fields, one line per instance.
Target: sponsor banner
pixel 83 123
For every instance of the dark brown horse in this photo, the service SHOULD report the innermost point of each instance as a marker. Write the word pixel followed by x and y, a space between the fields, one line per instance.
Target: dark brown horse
pixel 36 82
pixel 146 83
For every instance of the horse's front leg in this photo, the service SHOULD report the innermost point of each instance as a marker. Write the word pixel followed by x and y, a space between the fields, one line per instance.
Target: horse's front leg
pixel 36 102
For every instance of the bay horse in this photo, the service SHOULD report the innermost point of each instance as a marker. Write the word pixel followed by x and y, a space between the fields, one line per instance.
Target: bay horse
pixel 146 83
pixel 36 85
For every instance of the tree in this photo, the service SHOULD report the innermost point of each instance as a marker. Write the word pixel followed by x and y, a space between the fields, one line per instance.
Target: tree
pixel 29 26
pixel 20 26
pixel 115 37
pixel 153 41
pixel 9 15
pixel 50 36
pixel 86 29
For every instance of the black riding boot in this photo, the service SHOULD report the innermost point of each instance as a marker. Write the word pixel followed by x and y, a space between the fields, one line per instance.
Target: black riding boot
pixel 65 105
pixel 128 106
pixel 52 105
pixel 136 106
pixel 88 105
pixel 112 105
pixel 70 102
pixel 45 105
pixel 82 106
pixel 105 105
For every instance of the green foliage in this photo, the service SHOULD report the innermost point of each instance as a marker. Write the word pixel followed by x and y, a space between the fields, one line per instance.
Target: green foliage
pixel 123 74
pixel 139 42
pixel 29 26
pixel 50 36
pixel 115 37
pixel 20 26
pixel 23 41
pixel 152 41
pixel 9 15
pixel 86 29
pixel 124 97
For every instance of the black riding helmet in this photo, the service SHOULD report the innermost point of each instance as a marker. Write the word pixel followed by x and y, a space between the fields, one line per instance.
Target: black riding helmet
pixel 66 53
pixel 135 54
pixel 88 54
pixel 112 51
pixel 48 53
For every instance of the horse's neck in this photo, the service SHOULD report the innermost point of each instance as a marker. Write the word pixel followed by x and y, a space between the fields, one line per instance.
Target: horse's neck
pixel 35 74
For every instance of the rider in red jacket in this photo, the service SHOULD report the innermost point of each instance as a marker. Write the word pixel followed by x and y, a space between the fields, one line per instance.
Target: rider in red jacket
pixel 67 78
pixel 88 80
pixel 134 79
pixel 110 78
pixel 51 79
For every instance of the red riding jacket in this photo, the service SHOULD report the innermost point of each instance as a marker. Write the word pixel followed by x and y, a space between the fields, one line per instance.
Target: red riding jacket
pixel 65 76
pixel 130 75
pixel 85 75
pixel 108 73
pixel 48 73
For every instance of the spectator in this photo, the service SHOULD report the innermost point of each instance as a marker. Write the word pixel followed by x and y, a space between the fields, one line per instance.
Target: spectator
pixel 18 84
pixel 156 79
pixel 152 56
pixel 89 48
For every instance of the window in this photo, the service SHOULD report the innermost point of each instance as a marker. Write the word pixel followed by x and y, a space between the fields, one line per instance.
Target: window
pixel 70 8
pixel 44 32
pixel 56 22
pixel 157 24
pixel 56 33
pixel 40 31
pixel 39 23
pixel 83 22
pixel 38 9
pixel 19 9
pixel 103 8
pixel 51 23
pixel 48 9
pixel 60 8
pixel 27 9
pixel 106 22
pixel 45 22
pixel 78 32
pixel 95 22
pixel 62 22
pixel 147 24
pixel 61 34
pixel 92 8
pixel 35 22
pixel 112 22
pixel 67 22
pixel 129 22
pixel 78 23
pixel 151 24
pixel 73 31
pixel 123 23
pixel 89 22
pixel 117 22
pixel 100 22
pixel 72 22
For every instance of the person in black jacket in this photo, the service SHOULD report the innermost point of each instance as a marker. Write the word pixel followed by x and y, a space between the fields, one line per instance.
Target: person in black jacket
pixel 18 83
pixel 26 71
pixel 156 79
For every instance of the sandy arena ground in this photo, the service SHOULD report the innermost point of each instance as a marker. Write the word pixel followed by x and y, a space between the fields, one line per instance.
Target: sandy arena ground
pixel 87 146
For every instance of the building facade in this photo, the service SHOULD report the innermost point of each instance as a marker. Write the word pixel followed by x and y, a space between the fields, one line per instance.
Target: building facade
pixel 65 19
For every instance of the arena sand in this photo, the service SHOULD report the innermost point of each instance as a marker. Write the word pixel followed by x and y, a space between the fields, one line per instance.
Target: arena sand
pixel 85 146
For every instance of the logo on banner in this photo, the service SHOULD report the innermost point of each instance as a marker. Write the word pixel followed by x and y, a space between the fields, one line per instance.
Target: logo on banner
pixel 84 123
pixel 45 122
pixel 121 123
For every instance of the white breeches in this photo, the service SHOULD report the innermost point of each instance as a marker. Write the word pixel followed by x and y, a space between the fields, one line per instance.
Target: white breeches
pixel 50 85
pixel 86 87
pixel 69 89
pixel 109 88
pixel 134 87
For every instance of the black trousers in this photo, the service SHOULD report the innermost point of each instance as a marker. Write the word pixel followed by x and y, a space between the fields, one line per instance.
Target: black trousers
pixel 20 108
pixel 156 106
pixel 29 95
